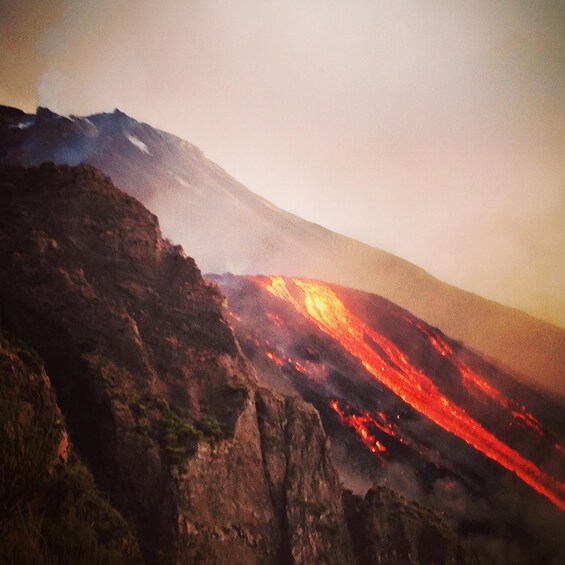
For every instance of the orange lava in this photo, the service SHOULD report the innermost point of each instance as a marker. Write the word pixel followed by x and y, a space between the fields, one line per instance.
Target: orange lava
pixel 312 370
pixel 275 319
pixel 470 379
pixel 360 423
pixel 319 304
pixel 274 358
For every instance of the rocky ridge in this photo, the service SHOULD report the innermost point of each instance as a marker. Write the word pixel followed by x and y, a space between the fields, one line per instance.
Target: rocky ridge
pixel 393 530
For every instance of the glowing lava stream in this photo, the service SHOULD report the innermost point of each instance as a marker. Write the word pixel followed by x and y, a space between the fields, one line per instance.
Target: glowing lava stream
pixel 325 309
pixel 359 423
pixel 470 379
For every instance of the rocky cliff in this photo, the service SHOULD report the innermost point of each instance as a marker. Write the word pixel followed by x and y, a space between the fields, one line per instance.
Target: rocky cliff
pixel 197 461
pixel 50 509
pixel 394 531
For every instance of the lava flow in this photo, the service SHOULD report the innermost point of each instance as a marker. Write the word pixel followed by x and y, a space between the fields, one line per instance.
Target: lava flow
pixel 360 423
pixel 470 379
pixel 312 370
pixel 319 304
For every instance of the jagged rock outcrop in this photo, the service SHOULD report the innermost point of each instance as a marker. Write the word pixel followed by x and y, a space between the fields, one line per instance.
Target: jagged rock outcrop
pixel 388 529
pixel 302 481
pixel 50 508
pixel 159 400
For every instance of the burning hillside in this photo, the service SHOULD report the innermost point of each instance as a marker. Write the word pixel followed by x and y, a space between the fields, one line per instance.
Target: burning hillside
pixel 399 397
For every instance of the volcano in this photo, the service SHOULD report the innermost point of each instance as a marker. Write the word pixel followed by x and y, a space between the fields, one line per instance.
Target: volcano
pixel 227 228
pixel 407 406
pixel 445 397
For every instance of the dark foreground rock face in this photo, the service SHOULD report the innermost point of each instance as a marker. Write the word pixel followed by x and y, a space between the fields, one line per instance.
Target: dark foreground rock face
pixel 159 401
pixel 50 508
pixel 302 479
pixel 386 528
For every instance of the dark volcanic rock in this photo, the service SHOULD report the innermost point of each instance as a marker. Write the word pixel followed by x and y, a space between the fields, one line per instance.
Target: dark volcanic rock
pixel 50 509
pixel 302 480
pixel 388 529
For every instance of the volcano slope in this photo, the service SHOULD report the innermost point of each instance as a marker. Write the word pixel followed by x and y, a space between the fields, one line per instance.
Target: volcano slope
pixel 229 229
pixel 191 461
pixel 407 406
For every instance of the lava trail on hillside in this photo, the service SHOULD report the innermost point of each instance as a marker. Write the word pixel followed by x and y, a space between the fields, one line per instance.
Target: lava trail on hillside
pixel 326 345
pixel 387 363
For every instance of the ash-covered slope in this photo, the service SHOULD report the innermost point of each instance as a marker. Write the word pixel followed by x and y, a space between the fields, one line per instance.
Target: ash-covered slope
pixel 229 229
pixel 203 465
pixel 407 406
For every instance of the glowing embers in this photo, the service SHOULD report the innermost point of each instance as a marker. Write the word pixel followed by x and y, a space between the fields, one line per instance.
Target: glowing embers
pixel 524 416
pixel 315 370
pixel 366 426
pixel 286 362
pixel 275 319
pixel 361 423
pixel 391 367
pixel 274 358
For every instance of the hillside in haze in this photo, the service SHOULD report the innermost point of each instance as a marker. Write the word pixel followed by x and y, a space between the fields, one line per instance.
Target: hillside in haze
pixel 229 229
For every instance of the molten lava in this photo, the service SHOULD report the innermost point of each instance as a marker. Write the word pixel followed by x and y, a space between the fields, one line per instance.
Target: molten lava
pixel 275 319
pixel 274 358
pixel 360 423
pixel 310 369
pixel 319 304
pixel 470 379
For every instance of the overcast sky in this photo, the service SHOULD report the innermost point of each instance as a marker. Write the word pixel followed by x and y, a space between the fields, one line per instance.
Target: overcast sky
pixel 431 129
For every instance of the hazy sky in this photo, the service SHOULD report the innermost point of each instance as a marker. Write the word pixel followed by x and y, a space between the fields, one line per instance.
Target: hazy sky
pixel 432 129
